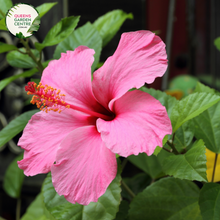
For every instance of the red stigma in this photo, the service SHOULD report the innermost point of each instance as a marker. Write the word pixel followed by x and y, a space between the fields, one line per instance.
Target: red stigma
pixel 31 87
pixel 46 97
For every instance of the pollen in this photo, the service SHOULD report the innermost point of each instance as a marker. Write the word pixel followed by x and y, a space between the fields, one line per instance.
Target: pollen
pixel 46 97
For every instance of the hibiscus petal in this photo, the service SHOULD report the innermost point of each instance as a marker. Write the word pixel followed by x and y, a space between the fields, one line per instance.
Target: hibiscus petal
pixel 84 166
pixel 42 137
pixel 140 124
pixel 72 75
pixel 139 58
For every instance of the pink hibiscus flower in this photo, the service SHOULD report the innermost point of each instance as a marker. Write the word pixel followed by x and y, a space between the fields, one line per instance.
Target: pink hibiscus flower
pixel 97 118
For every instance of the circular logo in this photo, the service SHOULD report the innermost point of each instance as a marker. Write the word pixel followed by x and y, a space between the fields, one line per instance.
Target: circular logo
pixel 22 20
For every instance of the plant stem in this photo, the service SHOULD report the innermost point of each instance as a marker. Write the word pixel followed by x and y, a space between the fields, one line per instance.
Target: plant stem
pixel 173 137
pixel 29 52
pixel 40 56
pixel 123 164
pixel 215 162
pixel 170 151
pixel 18 209
pixel 172 147
pixel 128 189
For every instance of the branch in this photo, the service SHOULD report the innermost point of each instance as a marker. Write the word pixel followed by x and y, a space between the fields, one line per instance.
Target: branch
pixel 128 189
pixel 29 52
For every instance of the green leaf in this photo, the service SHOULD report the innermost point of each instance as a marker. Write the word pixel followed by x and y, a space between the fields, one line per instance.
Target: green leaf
pixel 35 25
pixel 3 25
pixel 29 73
pixel 100 64
pixel 15 127
pixel 60 209
pixel 59 32
pixel 207 127
pixel 36 210
pixel 137 184
pixel 6 47
pixel 158 149
pixel 190 107
pixel 5 6
pixel 202 88
pixel 163 154
pixel 123 211
pixel 37 81
pixel 190 166
pixel 20 35
pixel 19 60
pixel 117 156
pixel 166 100
pixel 44 8
pixel 167 199
pixel 184 136
pixel 209 201
pixel 13 179
pixel 149 164
pixel 86 35
pixel 109 24
pixel 217 43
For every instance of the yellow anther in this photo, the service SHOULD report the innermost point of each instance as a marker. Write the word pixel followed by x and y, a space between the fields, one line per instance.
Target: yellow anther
pixel 46 97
